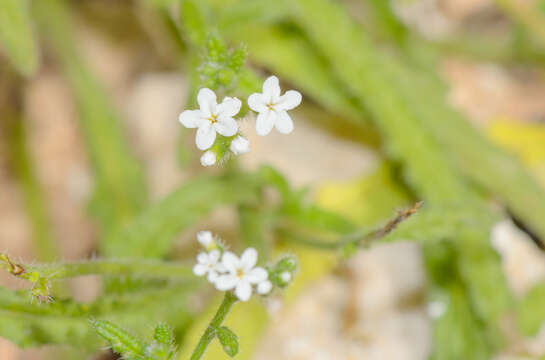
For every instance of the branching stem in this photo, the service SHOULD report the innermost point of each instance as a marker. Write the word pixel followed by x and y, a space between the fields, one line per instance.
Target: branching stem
pixel 228 301
pixel 357 238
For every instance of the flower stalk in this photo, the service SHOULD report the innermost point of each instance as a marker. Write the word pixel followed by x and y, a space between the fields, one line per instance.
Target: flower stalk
pixel 141 268
pixel 210 333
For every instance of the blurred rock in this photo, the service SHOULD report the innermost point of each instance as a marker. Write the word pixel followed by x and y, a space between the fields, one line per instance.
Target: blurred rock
pixel 523 262
pixel 309 154
pixel 372 313
pixel 154 103
pixel 425 16
pixel 58 153
pixel 486 92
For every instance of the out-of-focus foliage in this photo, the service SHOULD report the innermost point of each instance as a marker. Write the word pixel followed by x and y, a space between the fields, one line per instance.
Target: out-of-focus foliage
pixel 67 322
pixel 389 88
pixel 120 190
pixel 524 140
pixel 131 348
pixel 16 36
pixel 21 161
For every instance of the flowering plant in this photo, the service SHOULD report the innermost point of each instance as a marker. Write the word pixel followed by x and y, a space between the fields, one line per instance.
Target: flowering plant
pixel 214 118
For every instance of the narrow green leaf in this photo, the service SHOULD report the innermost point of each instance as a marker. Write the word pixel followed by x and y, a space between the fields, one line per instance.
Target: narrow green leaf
pixel 152 232
pixel 458 333
pixel 120 191
pixel 228 340
pixel 66 322
pixel 16 36
pixel 531 310
pixel 31 189
pixel 121 341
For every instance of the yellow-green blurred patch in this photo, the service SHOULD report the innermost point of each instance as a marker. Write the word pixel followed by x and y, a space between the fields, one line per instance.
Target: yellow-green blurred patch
pixel 525 140
pixel 364 200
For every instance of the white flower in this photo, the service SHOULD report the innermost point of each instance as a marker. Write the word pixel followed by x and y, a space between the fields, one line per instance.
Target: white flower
pixel 240 145
pixel 272 107
pixel 241 273
pixel 208 158
pixel 208 263
pixel 264 287
pixel 211 118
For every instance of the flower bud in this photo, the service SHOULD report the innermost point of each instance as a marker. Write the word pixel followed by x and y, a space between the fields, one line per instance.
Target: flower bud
pixel 240 145
pixel 264 287
pixel 208 158
pixel 285 276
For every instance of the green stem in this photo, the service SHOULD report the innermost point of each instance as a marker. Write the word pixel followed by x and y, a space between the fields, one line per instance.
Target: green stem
pixel 210 332
pixel 146 268
pixel 142 268
pixel 292 234
pixel 360 237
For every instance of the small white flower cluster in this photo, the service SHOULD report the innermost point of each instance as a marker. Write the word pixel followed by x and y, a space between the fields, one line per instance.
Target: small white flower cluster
pixel 229 272
pixel 214 118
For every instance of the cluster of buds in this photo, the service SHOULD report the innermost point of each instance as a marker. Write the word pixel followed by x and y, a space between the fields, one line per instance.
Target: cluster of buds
pixel 229 272
pixel 212 119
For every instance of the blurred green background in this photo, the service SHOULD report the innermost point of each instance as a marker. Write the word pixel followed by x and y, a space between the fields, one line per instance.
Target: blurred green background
pixel 403 100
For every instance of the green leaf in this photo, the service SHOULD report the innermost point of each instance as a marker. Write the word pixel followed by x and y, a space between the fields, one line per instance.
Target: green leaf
pixel 152 232
pixel 531 310
pixel 121 341
pixel 16 36
pixel 120 190
pixel 66 322
pixel 31 189
pixel 162 334
pixel 228 340
pixel 458 333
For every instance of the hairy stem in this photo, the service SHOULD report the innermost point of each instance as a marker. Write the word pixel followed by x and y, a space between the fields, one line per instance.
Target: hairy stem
pixel 359 237
pixel 210 332
pixel 143 268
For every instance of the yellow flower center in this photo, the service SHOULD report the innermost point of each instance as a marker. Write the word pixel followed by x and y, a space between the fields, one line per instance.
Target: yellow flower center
pixel 240 273
pixel 213 118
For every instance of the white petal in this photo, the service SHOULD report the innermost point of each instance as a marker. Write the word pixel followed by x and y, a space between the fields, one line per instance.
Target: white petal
pixel 243 291
pixel 248 259
pixel 229 107
pixel 271 89
pixel 200 269
pixel 220 268
pixel 226 282
pixel 207 102
pixel 213 256
pixel 202 258
pixel 226 126
pixel 205 238
pixel 206 135
pixel 289 100
pixel 257 102
pixel 257 275
pixel 212 276
pixel 265 122
pixel 284 123
pixel 230 261
pixel 264 287
pixel 191 118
